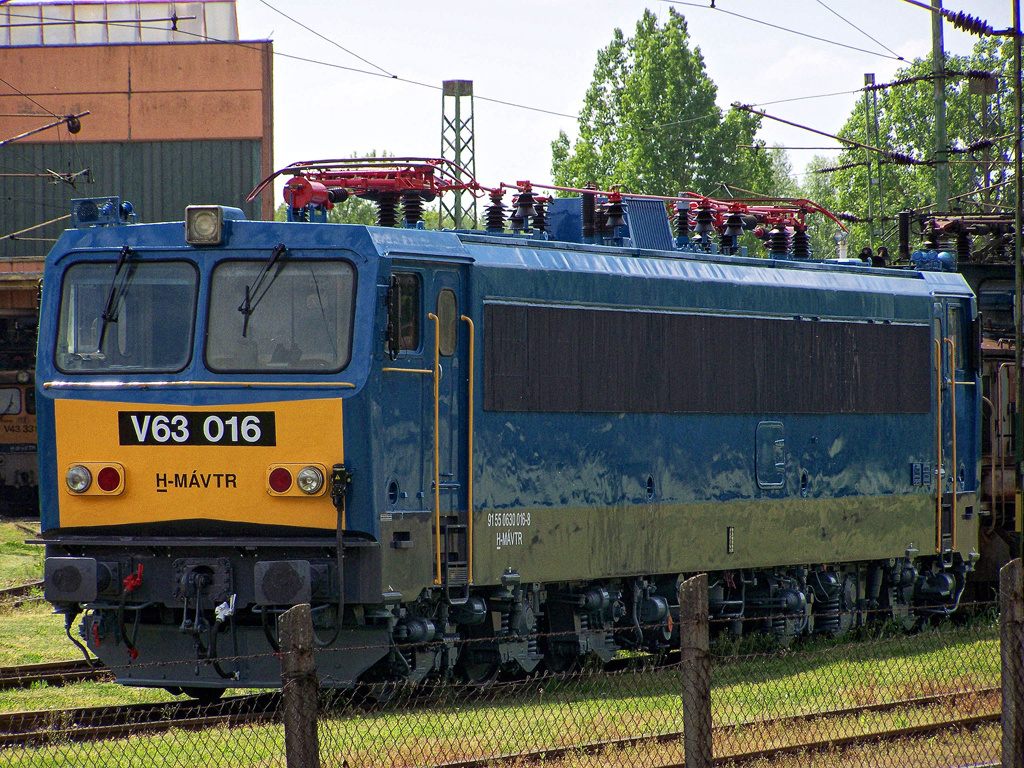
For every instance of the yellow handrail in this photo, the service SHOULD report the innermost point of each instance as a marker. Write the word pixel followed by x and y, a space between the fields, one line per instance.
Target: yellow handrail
pixel 938 445
pixel 952 411
pixel 469 458
pixel 437 444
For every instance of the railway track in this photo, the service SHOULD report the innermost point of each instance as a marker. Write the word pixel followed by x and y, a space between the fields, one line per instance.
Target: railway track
pixel 19 590
pixel 37 728
pixel 779 725
pixel 54 673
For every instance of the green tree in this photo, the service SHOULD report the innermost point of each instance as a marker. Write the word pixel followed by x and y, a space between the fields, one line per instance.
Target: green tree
pixel 906 125
pixel 649 121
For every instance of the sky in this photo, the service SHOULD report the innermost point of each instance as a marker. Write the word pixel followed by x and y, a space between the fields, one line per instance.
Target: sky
pixel 542 55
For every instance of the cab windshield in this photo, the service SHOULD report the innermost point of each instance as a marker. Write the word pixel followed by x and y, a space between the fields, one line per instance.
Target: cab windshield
pixel 285 315
pixel 130 316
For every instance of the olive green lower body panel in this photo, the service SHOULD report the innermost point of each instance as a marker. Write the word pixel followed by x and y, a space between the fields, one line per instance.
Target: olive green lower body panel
pixel 566 544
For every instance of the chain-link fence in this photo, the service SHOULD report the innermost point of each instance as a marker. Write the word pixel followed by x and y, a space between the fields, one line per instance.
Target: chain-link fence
pixel 877 696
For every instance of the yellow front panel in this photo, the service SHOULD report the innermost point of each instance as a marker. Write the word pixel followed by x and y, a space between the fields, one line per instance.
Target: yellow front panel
pixel 171 481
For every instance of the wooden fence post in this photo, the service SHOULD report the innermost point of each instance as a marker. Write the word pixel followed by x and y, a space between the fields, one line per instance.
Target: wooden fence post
pixel 299 688
pixel 696 671
pixel 1011 621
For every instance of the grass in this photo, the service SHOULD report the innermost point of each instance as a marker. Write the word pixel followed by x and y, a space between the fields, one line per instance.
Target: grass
pixel 509 718
pixel 19 562
pixel 30 633
pixel 814 677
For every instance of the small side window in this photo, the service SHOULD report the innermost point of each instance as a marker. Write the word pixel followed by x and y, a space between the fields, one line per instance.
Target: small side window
pixel 10 401
pixel 404 312
pixel 770 455
pixel 956 333
pixel 448 322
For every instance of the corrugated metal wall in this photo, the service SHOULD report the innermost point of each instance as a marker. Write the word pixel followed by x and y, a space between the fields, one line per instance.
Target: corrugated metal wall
pixel 159 178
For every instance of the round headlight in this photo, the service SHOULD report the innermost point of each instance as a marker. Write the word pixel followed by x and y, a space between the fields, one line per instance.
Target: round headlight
pixel 78 479
pixel 310 480
pixel 204 224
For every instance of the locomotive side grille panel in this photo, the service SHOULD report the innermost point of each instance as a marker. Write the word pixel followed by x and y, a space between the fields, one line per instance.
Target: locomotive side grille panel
pixel 571 360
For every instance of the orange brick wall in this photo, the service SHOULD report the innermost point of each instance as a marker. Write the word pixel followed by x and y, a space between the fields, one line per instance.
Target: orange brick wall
pixel 158 92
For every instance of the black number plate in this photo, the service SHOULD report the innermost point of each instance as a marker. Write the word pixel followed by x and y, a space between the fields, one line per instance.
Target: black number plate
pixel 196 428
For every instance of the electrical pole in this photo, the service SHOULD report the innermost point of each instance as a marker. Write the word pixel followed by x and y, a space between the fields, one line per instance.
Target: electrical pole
pixel 1019 276
pixel 941 145
pixel 876 213
pixel 458 145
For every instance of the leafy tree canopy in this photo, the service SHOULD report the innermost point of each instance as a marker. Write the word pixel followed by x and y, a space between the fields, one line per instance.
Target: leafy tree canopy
pixel 906 124
pixel 649 122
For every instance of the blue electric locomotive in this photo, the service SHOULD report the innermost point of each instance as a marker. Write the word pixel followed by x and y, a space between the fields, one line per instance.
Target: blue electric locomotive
pixel 432 436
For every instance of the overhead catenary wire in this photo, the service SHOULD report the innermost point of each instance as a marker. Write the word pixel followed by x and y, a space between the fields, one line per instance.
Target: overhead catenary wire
pixel 14 235
pixel 327 39
pixel 847 21
pixel 333 65
pixel 26 96
pixel 784 29
pixel 897 157
pixel 949 73
pixel 395 78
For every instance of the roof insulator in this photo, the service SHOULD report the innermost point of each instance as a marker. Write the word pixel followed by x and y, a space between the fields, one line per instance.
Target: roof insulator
pixel 970 24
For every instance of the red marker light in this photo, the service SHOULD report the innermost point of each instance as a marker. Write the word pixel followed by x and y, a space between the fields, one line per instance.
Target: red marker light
pixel 280 480
pixel 108 479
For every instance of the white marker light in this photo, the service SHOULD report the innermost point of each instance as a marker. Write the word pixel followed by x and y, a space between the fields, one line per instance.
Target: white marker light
pixel 310 480
pixel 78 479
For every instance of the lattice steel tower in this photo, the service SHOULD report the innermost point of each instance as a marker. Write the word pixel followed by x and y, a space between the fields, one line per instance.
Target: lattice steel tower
pixel 458 209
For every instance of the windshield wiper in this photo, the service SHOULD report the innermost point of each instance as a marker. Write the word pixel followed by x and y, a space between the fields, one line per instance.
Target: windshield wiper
pixel 248 305
pixel 114 294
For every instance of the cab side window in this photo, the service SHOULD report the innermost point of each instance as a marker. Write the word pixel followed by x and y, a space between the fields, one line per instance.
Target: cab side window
pixel 405 311
pixel 448 322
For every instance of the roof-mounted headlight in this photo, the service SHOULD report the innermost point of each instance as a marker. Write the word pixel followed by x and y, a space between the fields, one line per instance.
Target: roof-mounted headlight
pixel 204 225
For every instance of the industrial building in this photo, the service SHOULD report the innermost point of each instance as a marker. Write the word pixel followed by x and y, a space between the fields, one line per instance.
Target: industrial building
pixel 172 109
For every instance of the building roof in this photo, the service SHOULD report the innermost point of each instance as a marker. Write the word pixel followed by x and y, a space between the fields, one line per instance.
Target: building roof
pixel 116 22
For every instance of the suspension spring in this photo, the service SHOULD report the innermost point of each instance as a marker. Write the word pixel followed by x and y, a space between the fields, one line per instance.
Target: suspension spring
pixel 826 614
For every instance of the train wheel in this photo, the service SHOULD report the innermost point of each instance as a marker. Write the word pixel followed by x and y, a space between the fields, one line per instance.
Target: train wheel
pixel 561 663
pixel 203 695
pixel 480 667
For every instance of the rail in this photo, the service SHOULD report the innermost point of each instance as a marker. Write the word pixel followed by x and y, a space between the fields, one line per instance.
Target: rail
pixel 53 673
pixel 40 727
pixel 778 724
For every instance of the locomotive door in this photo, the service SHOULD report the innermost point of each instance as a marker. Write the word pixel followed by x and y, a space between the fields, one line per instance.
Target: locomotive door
pixel 425 405
pixel 451 334
pixel 956 416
